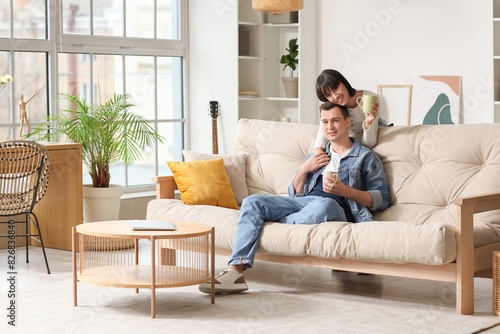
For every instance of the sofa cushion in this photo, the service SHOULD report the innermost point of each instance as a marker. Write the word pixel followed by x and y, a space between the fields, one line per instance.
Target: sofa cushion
pixel 431 166
pixel 235 167
pixel 385 241
pixel 203 182
pixel 276 238
pixel 223 219
pixel 275 152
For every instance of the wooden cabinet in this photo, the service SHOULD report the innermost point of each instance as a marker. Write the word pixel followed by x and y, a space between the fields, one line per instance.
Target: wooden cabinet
pixel 62 206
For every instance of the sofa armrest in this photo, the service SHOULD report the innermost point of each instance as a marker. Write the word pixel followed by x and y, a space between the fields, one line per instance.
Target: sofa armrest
pixel 480 203
pixel 466 208
pixel 165 186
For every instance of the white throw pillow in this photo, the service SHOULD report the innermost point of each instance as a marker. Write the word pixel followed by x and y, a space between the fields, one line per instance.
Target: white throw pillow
pixel 235 169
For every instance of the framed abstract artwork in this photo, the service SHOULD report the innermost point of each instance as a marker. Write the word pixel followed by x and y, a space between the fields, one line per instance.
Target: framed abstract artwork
pixel 436 99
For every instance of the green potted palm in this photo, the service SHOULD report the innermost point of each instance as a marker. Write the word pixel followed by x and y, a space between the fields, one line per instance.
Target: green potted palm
pixel 291 61
pixel 108 133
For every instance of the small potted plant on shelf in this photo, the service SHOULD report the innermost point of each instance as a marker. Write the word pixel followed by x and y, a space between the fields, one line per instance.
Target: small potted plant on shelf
pixel 291 60
pixel 108 133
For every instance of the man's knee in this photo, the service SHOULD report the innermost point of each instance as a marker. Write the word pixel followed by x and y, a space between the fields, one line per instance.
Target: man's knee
pixel 326 203
pixel 328 207
pixel 253 202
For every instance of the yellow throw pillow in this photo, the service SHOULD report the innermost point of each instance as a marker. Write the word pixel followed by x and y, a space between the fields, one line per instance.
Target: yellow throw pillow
pixel 203 182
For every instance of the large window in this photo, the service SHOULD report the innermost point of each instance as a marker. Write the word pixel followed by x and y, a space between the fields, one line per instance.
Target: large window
pixel 96 48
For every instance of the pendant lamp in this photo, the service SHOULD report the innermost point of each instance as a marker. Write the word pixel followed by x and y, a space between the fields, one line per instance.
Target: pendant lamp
pixel 277 6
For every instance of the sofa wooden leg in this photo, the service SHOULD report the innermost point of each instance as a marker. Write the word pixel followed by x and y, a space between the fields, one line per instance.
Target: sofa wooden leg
pixel 465 260
pixel 465 295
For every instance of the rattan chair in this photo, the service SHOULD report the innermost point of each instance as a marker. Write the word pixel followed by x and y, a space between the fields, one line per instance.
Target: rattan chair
pixel 24 177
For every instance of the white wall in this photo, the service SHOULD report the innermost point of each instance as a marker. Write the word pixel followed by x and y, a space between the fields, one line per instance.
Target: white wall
pixel 370 42
pixel 382 42
pixel 212 69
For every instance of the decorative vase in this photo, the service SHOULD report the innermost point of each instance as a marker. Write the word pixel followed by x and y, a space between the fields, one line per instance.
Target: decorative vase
pixel 291 85
pixel 101 204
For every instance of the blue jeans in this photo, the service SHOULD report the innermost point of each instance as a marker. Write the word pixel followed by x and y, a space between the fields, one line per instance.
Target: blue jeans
pixel 257 209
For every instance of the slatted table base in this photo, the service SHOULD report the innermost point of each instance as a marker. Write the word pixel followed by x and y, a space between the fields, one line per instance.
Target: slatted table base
pixel 184 257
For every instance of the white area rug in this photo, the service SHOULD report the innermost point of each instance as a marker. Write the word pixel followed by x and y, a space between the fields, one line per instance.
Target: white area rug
pixel 281 299
pixel 48 308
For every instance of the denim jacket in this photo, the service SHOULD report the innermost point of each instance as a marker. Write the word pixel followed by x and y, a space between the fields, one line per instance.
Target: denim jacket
pixel 361 169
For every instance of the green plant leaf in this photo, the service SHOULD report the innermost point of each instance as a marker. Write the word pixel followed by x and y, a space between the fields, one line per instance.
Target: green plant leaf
pixel 290 60
pixel 108 132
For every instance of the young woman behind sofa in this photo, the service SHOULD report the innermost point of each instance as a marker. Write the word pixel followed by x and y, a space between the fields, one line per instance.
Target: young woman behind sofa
pixel 332 86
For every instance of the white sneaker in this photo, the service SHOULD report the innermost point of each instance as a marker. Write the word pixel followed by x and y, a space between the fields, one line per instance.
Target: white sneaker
pixel 228 281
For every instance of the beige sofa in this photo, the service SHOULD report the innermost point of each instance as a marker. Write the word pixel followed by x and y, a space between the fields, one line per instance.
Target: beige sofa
pixel 439 176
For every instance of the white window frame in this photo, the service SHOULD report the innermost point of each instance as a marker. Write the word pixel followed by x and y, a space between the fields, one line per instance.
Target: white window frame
pixel 59 42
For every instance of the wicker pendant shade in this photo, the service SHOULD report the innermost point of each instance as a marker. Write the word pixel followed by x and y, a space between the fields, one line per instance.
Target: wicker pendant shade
pixel 277 6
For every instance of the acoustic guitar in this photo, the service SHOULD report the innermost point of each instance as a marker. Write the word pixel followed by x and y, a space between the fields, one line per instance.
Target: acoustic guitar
pixel 214 113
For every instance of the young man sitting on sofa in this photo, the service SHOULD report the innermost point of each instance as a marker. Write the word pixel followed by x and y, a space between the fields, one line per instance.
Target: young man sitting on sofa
pixel 362 187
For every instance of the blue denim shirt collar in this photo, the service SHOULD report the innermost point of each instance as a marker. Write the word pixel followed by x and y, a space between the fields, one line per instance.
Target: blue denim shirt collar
pixel 353 152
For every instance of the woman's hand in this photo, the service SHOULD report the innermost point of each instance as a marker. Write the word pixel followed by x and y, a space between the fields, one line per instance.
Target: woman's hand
pixel 311 165
pixel 318 151
pixel 369 118
pixel 316 161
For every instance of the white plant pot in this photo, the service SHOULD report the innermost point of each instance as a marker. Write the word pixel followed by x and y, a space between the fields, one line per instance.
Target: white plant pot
pixel 100 204
pixel 291 85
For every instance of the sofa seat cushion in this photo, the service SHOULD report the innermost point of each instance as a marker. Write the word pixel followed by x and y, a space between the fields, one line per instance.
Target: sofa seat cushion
pixel 279 239
pixel 485 232
pixel 382 241
pixel 385 241
pixel 223 219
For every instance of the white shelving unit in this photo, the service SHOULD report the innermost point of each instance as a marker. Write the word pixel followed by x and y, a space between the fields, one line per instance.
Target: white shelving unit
pixel 496 58
pixel 259 69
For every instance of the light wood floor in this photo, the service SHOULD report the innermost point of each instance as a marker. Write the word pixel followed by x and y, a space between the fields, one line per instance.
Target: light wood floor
pixel 314 281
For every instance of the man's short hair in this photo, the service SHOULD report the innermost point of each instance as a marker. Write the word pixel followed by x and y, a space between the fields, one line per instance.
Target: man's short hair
pixel 330 105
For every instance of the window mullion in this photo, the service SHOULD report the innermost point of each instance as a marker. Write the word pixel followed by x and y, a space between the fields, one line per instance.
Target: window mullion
pixel 155 124
pixel 124 82
pixel 125 166
pixel 155 29
pixel 55 33
pixel 11 23
pixel 91 17
pixel 123 45
pixel 11 62
pixel 91 78
pixel 124 18
pixel 12 90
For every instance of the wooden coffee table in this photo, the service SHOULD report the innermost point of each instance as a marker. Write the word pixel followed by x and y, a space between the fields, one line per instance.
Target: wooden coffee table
pixel 182 257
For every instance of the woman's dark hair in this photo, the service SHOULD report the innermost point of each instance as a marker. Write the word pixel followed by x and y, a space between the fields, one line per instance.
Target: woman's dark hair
pixel 330 80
